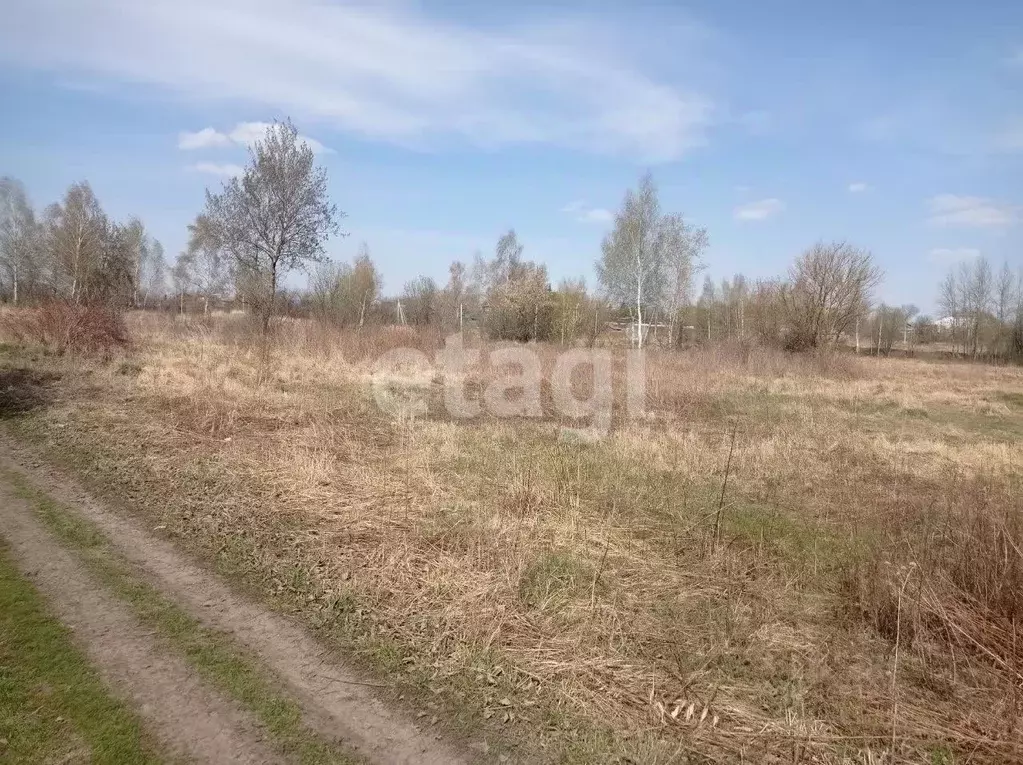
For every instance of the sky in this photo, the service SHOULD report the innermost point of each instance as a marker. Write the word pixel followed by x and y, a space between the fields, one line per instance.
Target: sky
pixel 895 126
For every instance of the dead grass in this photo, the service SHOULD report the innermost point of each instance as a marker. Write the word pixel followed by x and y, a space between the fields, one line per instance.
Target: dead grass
pixel 861 605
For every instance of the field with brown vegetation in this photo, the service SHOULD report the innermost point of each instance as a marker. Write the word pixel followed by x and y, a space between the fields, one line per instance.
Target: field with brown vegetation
pixel 790 558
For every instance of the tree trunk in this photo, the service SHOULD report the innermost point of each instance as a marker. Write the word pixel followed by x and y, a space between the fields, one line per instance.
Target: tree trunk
pixel 268 309
pixel 639 309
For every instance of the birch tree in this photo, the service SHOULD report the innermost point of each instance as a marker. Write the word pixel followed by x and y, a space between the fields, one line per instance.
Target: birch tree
pixel 75 238
pixel 20 253
pixel 632 266
pixel 206 263
pixel 154 273
pixel 682 246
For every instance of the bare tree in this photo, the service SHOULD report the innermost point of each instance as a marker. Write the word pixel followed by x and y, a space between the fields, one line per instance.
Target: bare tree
pixel 154 273
pixel 521 308
pixel 830 285
pixel 507 259
pixel 181 279
pixel 707 308
pixel 133 239
pixel 206 263
pixel 631 268
pixel 1005 304
pixel 75 234
pixel 452 299
pixel 571 309
pixel 419 301
pixel 20 241
pixel 275 218
pixel 682 245
pixel 343 293
pixel 949 302
pixel 891 324
pixel 514 294
pixel 980 296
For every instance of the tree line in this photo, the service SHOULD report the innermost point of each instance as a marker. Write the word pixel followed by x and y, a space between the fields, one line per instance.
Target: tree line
pixel 276 217
pixel 73 251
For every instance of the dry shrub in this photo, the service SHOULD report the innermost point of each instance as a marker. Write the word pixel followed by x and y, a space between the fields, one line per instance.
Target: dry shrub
pixel 68 328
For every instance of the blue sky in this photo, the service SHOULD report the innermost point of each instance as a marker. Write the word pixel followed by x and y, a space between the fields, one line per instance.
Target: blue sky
pixel 896 126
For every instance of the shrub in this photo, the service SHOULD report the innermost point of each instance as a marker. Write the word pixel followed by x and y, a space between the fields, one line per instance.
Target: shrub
pixel 68 328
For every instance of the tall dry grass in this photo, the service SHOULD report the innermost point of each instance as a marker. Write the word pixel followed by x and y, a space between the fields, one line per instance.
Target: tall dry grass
pixel 792 558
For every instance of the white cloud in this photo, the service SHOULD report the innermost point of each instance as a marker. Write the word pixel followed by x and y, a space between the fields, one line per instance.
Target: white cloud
pixel 598 215
pixel 978 212
pixel 383 71
pixel 759 210
pixel 243 134
pixel 586 214
pixel 247 133
pixel 207 138
pixel 858 187
pixel 947 255
pixel 226 170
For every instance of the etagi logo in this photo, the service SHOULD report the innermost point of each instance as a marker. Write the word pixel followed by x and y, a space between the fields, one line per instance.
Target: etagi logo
pixel 402 379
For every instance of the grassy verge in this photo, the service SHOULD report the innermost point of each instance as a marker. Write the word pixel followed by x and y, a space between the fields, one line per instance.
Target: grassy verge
pixel 215 656
pixel 53 705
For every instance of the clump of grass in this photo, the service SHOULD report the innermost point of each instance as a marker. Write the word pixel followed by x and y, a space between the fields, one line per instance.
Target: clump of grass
pixel 551 579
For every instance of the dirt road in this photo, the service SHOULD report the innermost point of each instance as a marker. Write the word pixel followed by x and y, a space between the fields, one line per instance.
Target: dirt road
pixel 186 715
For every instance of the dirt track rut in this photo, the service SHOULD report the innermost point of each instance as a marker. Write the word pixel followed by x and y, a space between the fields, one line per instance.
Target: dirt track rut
pixel 337 702
pixel 188 718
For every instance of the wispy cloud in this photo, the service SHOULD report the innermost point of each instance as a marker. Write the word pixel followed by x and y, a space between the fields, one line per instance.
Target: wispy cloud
pixel 759 210
pixel 382 71
pixel 977 212
pixel 948 255
pixel 207 138
pixel 858 187
pixel 225 170
pixel 243 134
pixel 247 133
pixel 586 214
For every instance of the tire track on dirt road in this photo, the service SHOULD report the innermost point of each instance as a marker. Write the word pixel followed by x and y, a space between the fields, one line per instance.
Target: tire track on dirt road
pixel 336 701
pixel 187 718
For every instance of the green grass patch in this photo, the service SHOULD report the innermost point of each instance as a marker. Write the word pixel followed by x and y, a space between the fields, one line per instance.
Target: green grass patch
pixel 53 705
pixel 792 541
pixel 1010 398
pixel 553 578
pixel 226 665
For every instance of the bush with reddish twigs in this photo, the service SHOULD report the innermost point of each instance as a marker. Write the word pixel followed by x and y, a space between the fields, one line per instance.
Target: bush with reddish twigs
pixel 68 328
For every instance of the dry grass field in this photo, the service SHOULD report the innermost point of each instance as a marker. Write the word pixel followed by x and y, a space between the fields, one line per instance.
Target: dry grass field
pixel 788 559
